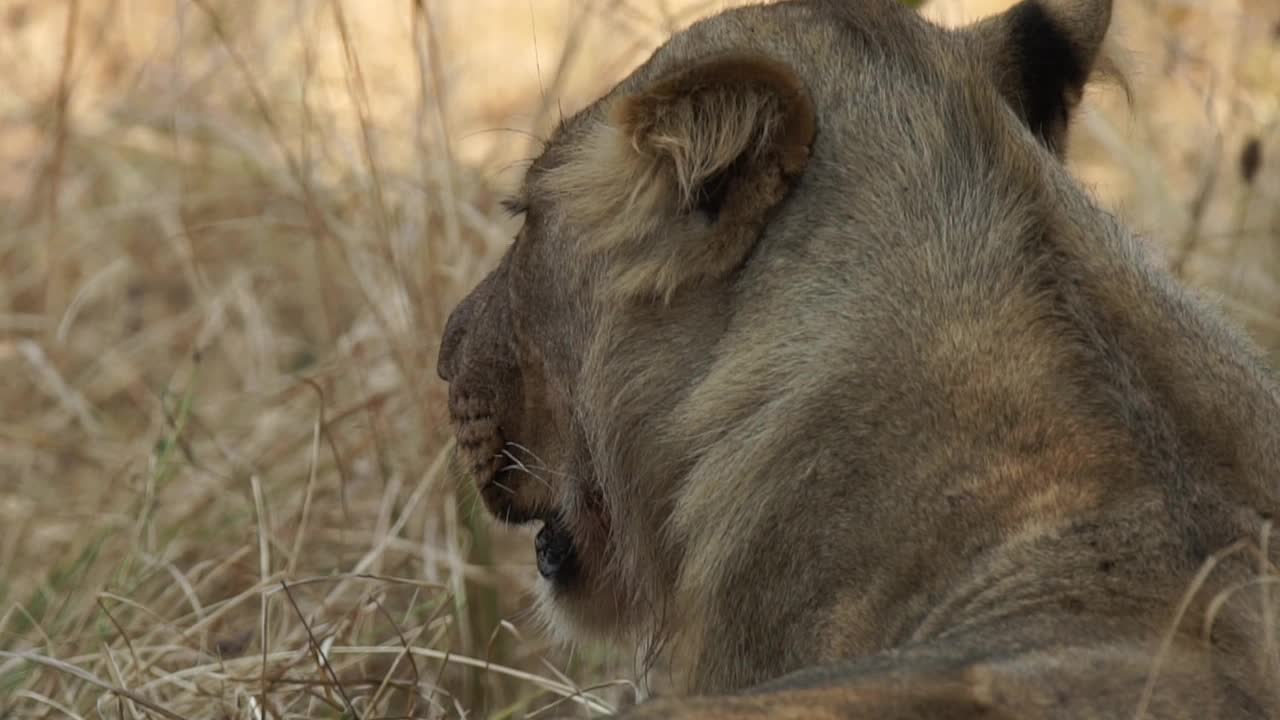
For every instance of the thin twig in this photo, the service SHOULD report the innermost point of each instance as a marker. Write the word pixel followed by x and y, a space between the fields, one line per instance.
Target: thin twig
pixel 319 653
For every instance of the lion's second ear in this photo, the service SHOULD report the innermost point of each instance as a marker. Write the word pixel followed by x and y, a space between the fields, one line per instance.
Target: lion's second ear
pixel 1041 53
pixel 676 182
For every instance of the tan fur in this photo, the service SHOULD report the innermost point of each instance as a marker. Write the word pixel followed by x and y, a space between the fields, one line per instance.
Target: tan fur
pixel 837 397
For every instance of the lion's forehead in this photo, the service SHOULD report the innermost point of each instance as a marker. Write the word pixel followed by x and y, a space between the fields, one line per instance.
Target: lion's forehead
pixel 838 49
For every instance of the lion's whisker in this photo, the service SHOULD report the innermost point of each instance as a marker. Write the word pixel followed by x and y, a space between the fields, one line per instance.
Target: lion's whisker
pixel 518 465
pixel 533 454
pixel 528 472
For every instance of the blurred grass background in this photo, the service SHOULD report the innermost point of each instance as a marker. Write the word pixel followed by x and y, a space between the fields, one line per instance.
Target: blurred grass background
pixel 229 235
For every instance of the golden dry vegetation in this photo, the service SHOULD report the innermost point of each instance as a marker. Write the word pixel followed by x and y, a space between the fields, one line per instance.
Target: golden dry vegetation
pixel 229 235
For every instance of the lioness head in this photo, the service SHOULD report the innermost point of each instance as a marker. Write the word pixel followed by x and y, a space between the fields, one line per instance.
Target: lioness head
pixel 715 270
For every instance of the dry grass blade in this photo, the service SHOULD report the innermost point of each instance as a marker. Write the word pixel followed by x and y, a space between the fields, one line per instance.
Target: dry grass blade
pixel 1266 575
pixel 318 653
pixel 76 672
pixel 408 654
pixel 50 702
pixel 1166 641
pixel 568 692
pixel 123 634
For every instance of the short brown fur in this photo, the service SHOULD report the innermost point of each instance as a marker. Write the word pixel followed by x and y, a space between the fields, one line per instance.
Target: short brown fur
pixel 838 397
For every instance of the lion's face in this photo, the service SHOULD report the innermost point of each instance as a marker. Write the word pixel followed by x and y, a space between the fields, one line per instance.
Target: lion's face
pixel 563 360
pixel 512 353
pixel 587 370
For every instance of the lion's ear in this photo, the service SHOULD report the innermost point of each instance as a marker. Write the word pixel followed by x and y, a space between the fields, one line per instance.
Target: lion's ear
pixel 1041 54
pixel 676 181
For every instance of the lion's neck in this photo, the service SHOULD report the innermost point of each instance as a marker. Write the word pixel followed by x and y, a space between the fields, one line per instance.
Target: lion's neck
pixel 860 461
pixel 853 564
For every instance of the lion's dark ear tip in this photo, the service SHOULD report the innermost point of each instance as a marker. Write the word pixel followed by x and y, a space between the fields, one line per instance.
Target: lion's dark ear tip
pixel 1043 53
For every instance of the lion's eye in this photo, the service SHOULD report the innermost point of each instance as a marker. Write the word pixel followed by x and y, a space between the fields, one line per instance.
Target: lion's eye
pixel 515 206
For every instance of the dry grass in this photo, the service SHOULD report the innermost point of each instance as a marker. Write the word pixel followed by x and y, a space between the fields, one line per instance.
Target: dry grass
pixel 229 235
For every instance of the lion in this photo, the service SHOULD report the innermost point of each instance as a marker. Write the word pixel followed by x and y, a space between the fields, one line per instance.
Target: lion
pixel 834 395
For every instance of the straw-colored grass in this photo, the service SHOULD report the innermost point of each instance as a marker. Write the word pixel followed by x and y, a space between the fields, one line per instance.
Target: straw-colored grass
pixel 229 235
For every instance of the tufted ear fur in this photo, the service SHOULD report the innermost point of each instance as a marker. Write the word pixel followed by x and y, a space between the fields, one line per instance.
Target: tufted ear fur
pixel 1041 53
pixel 674 184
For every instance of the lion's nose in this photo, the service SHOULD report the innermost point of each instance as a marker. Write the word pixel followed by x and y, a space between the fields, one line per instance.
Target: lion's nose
pixel 473 316
pixel 449 361
pixel 464 317
pixel 451 343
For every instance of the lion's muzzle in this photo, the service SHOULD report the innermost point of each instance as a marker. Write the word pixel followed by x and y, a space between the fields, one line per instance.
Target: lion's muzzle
pixel 478 359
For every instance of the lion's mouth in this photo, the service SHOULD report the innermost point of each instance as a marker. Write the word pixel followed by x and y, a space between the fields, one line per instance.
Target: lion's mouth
pixel 555 551
pixel 499 491
pixel 503 481
pixel 554 547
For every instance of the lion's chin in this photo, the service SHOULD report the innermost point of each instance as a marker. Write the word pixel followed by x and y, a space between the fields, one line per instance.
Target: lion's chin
pixel 571 614
pixel 573 599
